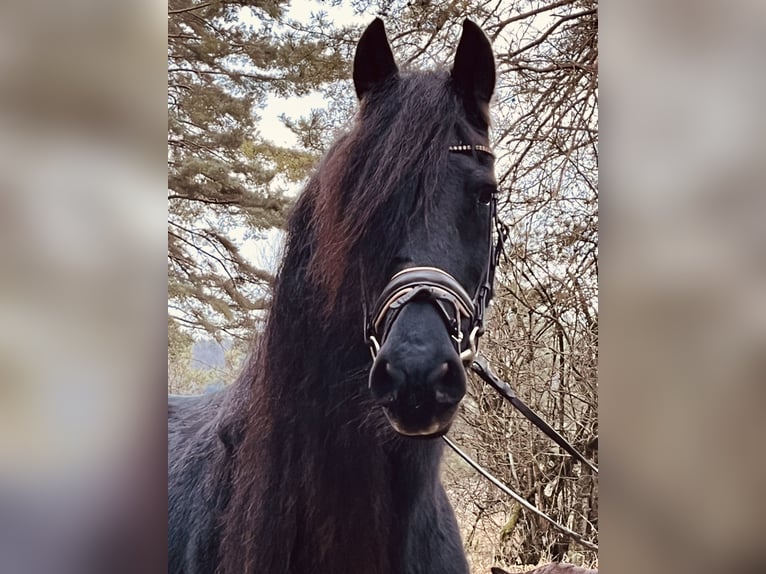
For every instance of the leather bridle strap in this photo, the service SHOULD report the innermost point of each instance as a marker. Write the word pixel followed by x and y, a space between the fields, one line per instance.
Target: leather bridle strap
pixel 430 284
pixel 481 368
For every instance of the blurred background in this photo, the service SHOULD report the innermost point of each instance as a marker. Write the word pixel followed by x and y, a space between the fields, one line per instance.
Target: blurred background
pixel 82 284
pixel 657 341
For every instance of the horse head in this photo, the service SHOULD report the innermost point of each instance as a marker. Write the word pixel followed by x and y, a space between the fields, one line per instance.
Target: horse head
pixel 423 325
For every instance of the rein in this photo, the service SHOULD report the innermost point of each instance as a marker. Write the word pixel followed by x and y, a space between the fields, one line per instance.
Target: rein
pixel 482 368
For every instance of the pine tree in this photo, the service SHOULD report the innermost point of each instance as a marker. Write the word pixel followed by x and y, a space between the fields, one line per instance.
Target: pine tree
pixel 224 58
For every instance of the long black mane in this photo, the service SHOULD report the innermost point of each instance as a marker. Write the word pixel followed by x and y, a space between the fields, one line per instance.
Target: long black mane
pixel 293 469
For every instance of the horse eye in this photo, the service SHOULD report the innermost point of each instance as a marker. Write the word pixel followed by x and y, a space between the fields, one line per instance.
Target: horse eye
pixel 486 193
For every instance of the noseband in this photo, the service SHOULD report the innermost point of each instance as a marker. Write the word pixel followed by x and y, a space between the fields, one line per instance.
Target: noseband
pixel 461 312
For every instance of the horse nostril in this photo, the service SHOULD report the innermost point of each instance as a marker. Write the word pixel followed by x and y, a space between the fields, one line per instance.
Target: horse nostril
pixel 437 373
pixel 450 386
pixel 385 382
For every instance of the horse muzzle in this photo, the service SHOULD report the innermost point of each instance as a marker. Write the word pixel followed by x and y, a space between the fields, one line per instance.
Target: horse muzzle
pixel 417 376
pixel 422 336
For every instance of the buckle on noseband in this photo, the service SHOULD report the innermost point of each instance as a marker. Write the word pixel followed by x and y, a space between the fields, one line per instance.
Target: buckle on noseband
pixel 467 356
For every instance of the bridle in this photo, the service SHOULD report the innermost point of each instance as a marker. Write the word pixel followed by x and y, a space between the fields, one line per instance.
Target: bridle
pixel 461 312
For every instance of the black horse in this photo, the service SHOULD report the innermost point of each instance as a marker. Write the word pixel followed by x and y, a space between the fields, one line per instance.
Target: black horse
pixel 308 463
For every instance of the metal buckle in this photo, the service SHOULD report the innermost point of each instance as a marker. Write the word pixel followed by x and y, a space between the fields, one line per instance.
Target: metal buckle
pixel 469 354
pixel 374 346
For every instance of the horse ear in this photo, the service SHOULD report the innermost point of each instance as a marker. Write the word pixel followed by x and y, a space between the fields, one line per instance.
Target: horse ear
pixel 473 72
pixel 374 61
